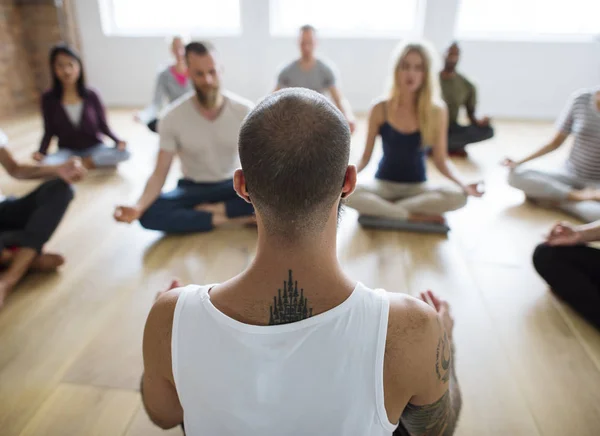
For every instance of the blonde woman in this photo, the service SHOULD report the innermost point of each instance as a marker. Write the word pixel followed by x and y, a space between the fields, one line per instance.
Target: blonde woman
pixel 172 83
pixel 411 119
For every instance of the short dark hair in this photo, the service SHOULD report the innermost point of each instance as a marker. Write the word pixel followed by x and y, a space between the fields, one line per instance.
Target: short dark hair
pixel 57 87
pixel 308 27
pixel 199 48
pixel 294 149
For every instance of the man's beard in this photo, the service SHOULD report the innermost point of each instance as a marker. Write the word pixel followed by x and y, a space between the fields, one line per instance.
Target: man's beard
pixel 207 98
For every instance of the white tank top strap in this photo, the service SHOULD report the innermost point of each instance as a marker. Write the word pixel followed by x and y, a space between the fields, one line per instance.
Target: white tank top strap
pixel 188 295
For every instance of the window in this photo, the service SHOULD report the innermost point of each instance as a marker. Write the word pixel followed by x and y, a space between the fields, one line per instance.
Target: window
pixel 162 17
pixel 528 18
pixel 345 18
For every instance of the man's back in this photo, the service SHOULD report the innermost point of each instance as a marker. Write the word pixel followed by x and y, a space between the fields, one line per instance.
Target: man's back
pixel 320 375
pixel 316 357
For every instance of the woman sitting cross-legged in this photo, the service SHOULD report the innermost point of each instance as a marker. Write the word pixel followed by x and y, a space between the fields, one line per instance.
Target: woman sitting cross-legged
pixel 412 118
pixel 75 115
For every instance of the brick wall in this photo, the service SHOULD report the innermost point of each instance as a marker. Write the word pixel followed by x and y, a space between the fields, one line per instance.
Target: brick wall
pixel 28 28
pixel 17 86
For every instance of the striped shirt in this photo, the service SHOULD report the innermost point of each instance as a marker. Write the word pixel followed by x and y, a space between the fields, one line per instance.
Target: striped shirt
pixel 582 118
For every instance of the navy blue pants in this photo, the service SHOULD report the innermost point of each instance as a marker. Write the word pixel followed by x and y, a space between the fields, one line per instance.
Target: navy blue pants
pixel 173 212
pixel 30 221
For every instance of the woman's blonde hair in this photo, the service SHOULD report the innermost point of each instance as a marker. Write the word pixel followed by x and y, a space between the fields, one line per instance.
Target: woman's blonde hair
pixel 429 101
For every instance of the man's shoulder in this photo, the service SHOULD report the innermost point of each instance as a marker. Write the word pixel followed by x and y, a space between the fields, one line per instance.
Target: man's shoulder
pixel 177 107
pixel 325 65
pixel 465 80
pixel 290 66
pixel 410 321
pixel 238 103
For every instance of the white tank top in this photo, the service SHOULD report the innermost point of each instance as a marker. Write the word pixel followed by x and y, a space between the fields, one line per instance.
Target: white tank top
pixel 319 376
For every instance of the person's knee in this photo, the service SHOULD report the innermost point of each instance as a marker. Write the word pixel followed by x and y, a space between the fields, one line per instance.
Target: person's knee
pixel 456 199
pixel 124 155
pixel 153 218
pixel 516 177
pixel 545 258
pixel 59 191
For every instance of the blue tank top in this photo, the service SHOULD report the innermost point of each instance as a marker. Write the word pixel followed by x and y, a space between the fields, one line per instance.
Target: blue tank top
pixel 403 158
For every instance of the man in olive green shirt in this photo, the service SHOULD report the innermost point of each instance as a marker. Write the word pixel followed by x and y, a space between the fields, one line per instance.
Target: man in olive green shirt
pixel 457 92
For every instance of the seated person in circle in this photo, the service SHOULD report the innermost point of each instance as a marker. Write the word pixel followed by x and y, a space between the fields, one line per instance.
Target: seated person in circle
pixel 318 354
pixel 28 222
pixel 458 91
pixel 572 268
pixel 313 73
pixel 202 130
pixel 172 83
pixel 574 187
pixel 410 119
pixel 75 114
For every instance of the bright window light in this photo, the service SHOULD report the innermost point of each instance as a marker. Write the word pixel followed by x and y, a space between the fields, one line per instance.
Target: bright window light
pixel 162 17
pixel 345 18
pixel 512 19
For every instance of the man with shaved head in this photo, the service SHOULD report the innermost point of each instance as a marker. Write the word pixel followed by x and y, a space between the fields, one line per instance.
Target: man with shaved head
pixel 458 91
pixel 293 345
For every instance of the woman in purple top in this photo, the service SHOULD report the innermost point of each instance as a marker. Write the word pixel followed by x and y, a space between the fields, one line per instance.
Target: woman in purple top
pixel 75 115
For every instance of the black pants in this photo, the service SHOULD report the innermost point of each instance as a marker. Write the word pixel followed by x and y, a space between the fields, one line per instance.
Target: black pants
pixel 153 125
pixel 30 221
pixel 460 136
pixel 573 273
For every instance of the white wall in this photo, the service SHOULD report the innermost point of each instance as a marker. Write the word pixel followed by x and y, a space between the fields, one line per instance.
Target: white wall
pixel 515 79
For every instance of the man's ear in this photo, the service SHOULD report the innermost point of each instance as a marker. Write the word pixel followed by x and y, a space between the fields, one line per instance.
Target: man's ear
pixel 349 181
pixel 239 184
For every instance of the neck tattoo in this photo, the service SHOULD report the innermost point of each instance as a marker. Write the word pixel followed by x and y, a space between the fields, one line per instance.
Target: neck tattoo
pixel 289 305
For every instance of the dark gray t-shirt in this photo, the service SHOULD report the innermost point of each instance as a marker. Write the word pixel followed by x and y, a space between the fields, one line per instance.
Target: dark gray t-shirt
pixel 319 78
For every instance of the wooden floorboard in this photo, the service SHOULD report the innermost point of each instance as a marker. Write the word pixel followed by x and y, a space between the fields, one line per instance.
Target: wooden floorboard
pixel 70 342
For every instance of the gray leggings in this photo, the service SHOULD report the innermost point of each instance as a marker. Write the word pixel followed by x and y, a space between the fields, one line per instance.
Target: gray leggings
pixel 556 186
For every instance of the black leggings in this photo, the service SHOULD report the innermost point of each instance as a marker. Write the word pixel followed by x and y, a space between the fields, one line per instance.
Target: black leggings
pixel 461 136
pixel 30 221
pixel 573 274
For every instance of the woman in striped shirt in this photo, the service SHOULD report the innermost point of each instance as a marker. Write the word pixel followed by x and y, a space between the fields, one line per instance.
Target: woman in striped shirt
pixel 574 188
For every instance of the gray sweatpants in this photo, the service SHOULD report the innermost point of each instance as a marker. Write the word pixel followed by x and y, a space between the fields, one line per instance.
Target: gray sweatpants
pixel 398 200
pixel 555 186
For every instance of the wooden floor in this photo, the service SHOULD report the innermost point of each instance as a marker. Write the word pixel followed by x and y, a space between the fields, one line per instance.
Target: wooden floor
pixel 70 343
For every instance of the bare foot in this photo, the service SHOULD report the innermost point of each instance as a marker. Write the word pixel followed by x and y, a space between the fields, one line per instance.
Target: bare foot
pixel 5 289
pixel 586 194
pixel 46 262
pixel 6 257
pixel 547 204
pixel 214 208
pixel 419 218
pixel 88 163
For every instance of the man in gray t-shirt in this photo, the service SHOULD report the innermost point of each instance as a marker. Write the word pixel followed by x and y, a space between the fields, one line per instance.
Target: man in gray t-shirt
pixel 312 73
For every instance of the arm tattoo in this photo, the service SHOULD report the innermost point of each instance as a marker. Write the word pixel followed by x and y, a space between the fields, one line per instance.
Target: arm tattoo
pixel 439 418
pixel 289 305
pixel 443 358
pixel 430 420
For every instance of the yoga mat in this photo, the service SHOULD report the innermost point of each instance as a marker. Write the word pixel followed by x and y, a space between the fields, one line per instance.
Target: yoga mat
pixel 408 226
